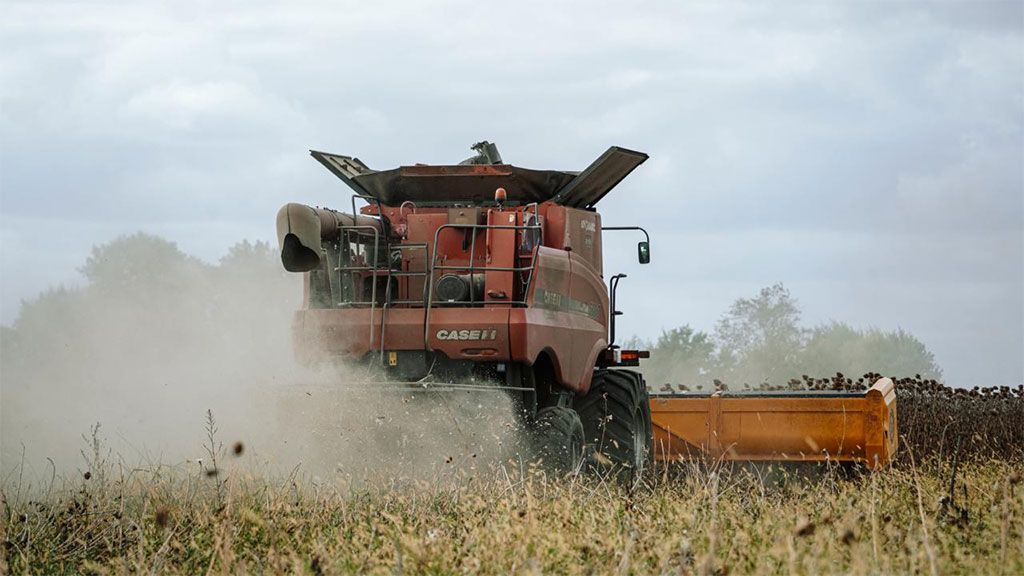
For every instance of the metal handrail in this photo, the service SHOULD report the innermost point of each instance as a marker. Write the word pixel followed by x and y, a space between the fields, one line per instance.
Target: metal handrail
pixel 387 248
pixel 536 214
pixel 487 268
pixel 429 274
pixel 533 249
pixel 343 233
pixel 387 293
pixel 390 273
pixel 379 269
pixel 472 267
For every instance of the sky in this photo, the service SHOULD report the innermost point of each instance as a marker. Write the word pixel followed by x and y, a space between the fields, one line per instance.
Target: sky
pixel 868 155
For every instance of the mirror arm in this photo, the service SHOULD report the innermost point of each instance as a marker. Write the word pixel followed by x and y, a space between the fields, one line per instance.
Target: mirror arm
pixel 647 237
pixel 644 247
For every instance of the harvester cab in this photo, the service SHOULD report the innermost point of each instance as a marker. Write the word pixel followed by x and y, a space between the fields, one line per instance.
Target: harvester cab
pixel 486 276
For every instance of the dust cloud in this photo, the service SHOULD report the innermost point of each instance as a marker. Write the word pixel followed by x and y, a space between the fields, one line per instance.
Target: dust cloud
pixel 156 339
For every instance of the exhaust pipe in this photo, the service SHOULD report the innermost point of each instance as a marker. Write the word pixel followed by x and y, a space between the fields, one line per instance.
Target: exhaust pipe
pixel 301 229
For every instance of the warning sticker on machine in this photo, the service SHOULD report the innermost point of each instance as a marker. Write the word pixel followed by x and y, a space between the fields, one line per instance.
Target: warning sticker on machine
pixel 555 301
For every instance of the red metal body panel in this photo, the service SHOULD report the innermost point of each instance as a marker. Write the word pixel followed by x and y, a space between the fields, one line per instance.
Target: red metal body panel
pixel 544 326
pixel 345 333
pixel 501 253
pixel 589 308
pixel 565 315
pixel 554 225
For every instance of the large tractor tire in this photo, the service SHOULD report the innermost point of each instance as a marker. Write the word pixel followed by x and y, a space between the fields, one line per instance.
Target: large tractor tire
pixel 616 415
pixel 558 438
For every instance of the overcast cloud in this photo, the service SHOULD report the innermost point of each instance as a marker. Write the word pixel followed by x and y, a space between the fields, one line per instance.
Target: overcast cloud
pixel 868 155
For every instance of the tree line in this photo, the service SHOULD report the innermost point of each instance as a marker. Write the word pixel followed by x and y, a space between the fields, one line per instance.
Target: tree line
pixel 761 340
pixel 144 282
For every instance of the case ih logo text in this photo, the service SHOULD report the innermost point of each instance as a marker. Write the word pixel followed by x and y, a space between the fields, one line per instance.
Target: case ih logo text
pixel 467 334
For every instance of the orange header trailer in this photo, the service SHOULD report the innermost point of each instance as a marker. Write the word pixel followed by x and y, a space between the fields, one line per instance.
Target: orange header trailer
pixel 799 426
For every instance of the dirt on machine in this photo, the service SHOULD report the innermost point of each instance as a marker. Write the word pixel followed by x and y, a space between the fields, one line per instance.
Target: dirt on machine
pixel 490 277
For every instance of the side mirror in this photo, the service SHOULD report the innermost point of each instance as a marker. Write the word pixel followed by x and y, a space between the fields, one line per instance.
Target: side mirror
pixel 643 252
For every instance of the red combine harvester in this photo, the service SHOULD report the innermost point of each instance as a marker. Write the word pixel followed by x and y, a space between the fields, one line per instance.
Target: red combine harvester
pixel 487 276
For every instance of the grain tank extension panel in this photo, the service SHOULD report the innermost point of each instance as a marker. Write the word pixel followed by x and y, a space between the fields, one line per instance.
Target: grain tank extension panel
pixel 475 183
pixel 797 426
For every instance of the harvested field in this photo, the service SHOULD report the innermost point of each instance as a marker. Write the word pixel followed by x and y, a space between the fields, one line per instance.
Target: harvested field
pixel 733 520
pixel 946 507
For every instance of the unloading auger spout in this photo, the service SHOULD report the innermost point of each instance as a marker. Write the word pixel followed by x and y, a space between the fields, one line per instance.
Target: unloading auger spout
pixel 302 230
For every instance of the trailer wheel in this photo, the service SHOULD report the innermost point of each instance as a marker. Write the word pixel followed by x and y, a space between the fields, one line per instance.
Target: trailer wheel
pixel 558 437
pixel 616 415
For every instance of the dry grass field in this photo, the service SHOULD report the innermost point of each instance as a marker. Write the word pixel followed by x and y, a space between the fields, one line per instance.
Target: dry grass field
pixel 957 508
pixel 693 520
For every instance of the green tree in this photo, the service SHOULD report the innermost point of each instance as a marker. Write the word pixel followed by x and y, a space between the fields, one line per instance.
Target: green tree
pixel 249 277
pixel 141 265
pixel 680 356
pixel 252 258
pixel 48 328
pixel 760 338
pixel 837 347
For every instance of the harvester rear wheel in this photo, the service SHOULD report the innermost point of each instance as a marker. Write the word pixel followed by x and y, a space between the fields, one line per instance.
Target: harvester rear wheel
pixel 558 436
pixel 616 415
